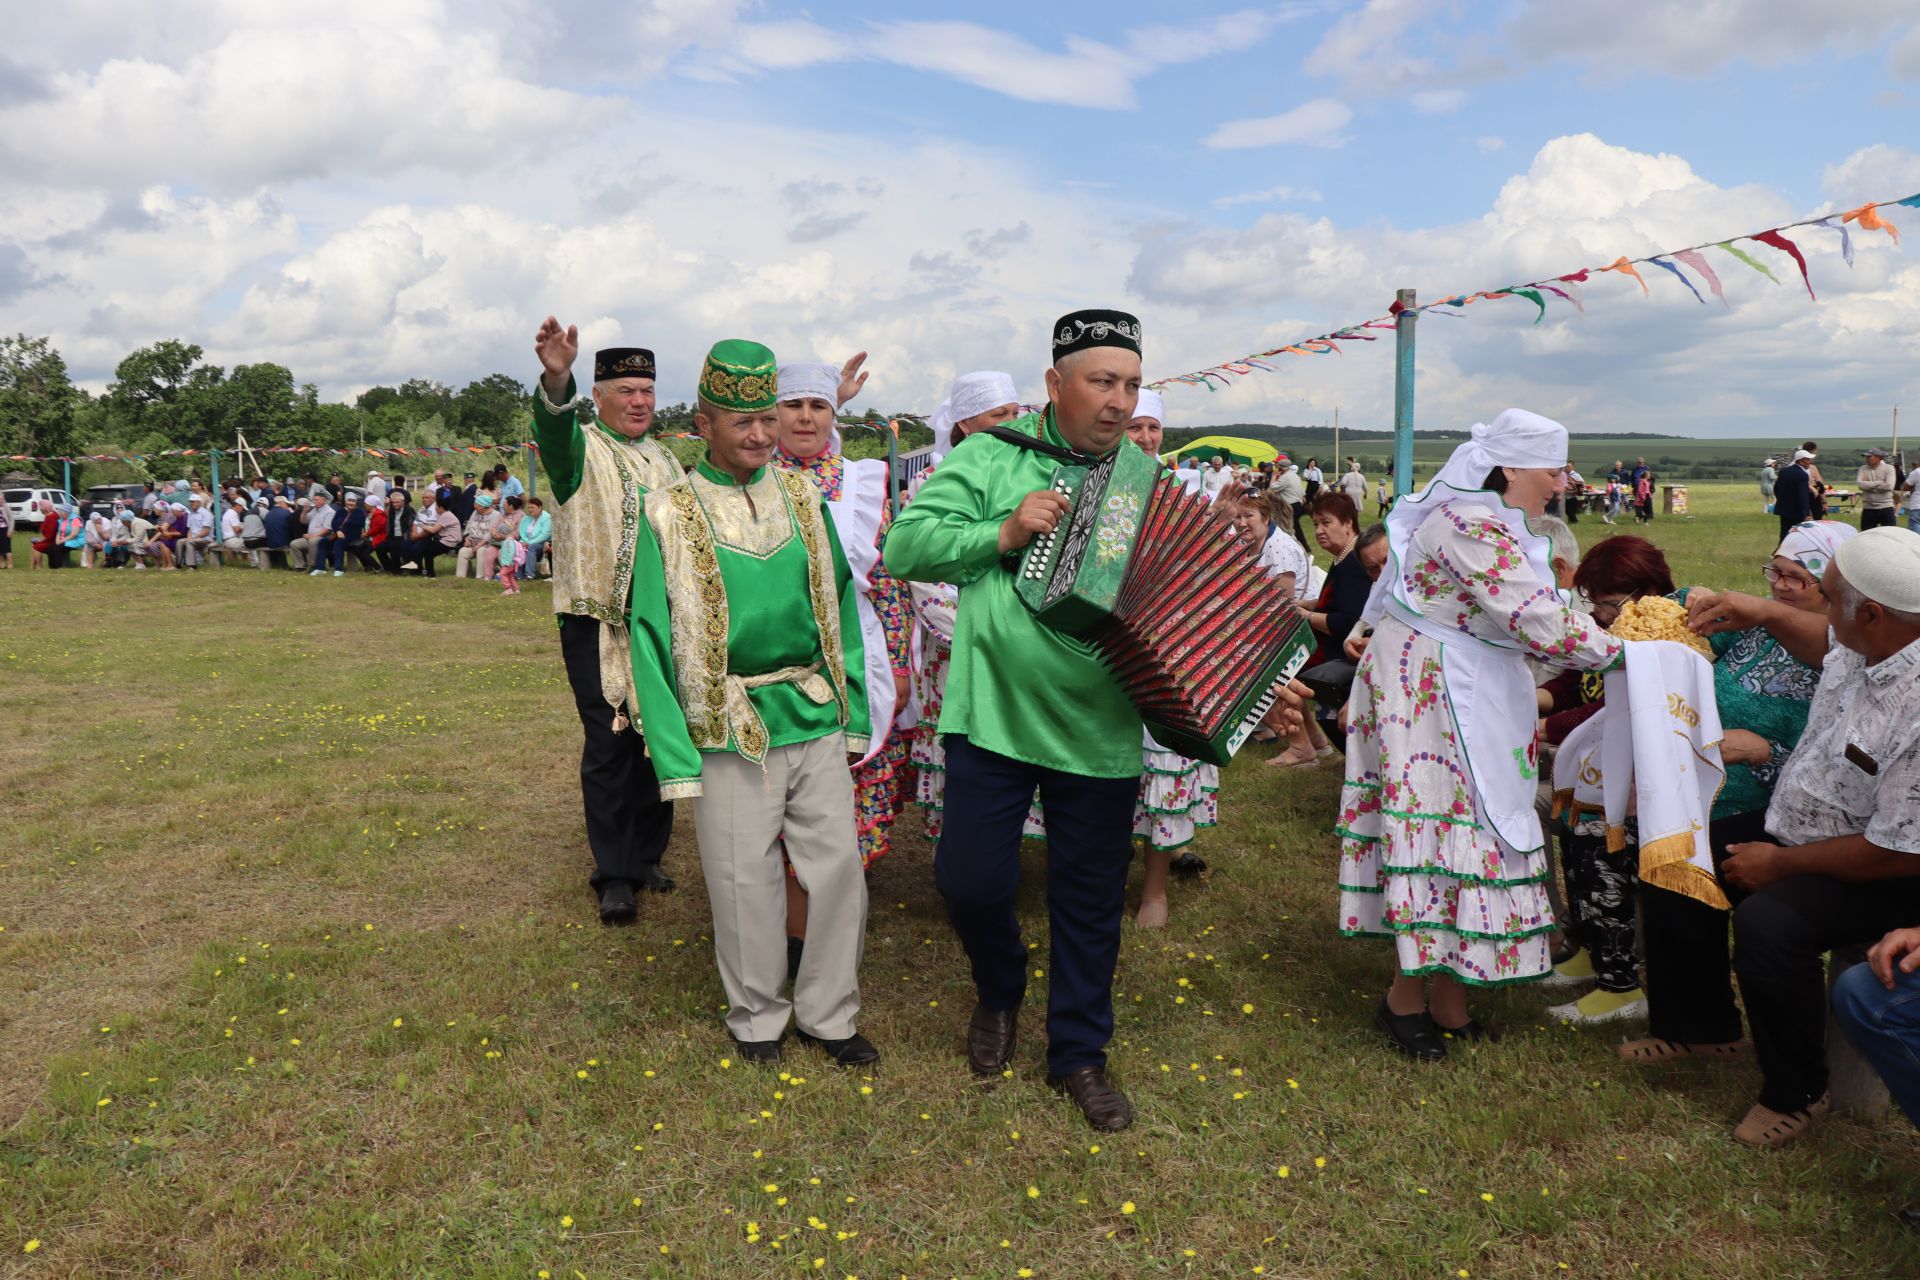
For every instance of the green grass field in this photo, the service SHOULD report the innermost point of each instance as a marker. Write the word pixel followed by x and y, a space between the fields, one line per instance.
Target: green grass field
pixel 299 976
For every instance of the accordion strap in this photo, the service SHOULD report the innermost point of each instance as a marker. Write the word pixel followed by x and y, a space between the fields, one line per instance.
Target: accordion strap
pixel 1021 440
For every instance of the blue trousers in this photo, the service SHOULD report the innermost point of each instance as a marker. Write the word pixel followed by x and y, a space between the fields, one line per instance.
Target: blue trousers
pixel 977 869
pixel 1885 1026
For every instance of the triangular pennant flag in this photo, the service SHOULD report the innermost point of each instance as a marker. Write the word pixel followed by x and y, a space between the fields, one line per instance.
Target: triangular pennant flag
pixel 1533 296
pixel 1662 262
pixel 1846 241
pixel 1871 221
pixel 1570 294
pixel 1749 259
pixel 1693 259
pixel 1624 267
pixel 1788 247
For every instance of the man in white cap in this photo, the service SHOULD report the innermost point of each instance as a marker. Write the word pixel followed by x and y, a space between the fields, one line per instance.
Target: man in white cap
pixel 1793 492
pixel 1841 862
pixel 1288 496
pixel 1877 481
pixel 199 539
pixel 376 488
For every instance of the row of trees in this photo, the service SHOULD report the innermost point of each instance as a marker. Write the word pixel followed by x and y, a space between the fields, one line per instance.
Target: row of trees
pixel 167 396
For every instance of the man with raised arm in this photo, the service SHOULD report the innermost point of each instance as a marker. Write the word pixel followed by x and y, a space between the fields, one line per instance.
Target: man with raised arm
pixel 601 461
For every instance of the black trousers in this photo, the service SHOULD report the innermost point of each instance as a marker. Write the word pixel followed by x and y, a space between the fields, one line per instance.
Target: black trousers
pixel 628 824
pixel 362 550
pixel 392 554
pixel 976 867
pixel 1780 935
pixel 1875 517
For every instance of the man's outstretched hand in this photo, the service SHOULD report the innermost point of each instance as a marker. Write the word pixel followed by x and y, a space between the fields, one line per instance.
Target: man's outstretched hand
pixel 557 348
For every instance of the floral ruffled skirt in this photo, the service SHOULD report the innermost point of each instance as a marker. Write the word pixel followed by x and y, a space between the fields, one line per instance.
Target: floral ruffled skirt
pixel 1178 799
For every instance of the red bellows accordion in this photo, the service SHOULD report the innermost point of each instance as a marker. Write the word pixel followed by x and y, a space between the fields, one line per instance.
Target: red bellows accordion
pixel 1183 614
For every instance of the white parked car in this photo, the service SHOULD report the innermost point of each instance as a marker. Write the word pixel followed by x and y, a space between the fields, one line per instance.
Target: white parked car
pixel 22 511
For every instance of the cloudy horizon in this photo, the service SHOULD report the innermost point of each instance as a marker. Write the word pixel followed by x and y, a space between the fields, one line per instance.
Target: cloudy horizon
pixel 372 192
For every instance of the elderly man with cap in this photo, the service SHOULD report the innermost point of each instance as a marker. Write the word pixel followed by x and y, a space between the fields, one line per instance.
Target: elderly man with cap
pixel 376 488
pixel 1841 862
pixel 1877 481
pixel 199 540
pixel 1028 708
pixel 751 675
pixel 975 401
pixel 602 461
pixel 1793 492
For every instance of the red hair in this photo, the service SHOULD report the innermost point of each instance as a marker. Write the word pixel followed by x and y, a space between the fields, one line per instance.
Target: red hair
pixel 1624 565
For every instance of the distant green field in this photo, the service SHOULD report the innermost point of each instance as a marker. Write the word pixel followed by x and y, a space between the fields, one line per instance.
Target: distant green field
pixel 1672 457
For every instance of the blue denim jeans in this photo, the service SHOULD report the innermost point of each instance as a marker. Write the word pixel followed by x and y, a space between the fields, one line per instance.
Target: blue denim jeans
pixel 1885 1026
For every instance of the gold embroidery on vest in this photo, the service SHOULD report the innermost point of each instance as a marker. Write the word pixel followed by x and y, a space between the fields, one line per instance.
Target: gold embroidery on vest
pixel 809 517
pixel 698 600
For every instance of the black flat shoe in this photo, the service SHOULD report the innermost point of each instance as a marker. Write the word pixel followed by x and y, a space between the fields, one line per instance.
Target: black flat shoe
pixel 1471 1029
pixel 616 903
pixel 1187 864
pixel 1105 1107
pixel 854 1051
pixel 1414 1034
pixel 654 880
pixel 758 1050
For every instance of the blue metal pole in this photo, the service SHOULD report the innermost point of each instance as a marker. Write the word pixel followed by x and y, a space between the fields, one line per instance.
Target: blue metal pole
pixel 66 475
pixel 1403 393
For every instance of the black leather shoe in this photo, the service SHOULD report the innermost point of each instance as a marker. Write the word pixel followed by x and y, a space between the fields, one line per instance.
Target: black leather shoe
pixel 795 948
pixel 1105 1107
pixel 654 880
pixel 1187 864
pixel 616 903
pixel 1415 1034
pixel 758 1050
pixel 991 1034
pixel 855 1051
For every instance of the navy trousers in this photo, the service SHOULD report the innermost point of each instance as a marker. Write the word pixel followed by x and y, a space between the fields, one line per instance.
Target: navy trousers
pixel 1886 1027
pixel 977 869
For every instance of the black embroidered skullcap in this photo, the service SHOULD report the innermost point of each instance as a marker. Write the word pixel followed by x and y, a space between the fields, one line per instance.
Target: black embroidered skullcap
pixel 622 362
pixel 1079 330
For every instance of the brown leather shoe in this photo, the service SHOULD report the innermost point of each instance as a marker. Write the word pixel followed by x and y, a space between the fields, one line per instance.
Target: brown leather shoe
pixel 1105 1107
pixel 990 1039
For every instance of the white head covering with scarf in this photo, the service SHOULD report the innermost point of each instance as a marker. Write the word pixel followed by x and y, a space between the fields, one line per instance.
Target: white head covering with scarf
pixel 970 395
pixel 813 382
pixel 1151 405
pixel 1489 685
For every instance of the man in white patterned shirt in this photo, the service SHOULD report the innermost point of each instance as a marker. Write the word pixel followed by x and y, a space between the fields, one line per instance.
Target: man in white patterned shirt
pixel 1841 862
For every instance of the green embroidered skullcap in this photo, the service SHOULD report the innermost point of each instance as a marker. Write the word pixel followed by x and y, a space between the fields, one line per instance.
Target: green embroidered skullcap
pixel 740 375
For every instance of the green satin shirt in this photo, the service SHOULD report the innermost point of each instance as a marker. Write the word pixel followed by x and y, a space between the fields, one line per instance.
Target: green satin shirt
pixel 763 566
pixel 1015 687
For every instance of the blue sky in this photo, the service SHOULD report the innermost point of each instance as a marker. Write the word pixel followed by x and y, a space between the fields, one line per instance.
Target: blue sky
pixel 369 190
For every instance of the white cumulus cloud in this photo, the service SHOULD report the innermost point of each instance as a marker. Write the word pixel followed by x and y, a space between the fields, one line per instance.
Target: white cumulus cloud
pixel 1316 124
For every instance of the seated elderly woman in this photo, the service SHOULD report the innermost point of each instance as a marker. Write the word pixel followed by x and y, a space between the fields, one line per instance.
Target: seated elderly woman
pixel 1600 885
pixel 1332 614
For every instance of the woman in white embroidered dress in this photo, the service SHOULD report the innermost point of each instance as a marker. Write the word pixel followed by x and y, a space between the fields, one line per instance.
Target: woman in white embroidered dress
pixel 1441 849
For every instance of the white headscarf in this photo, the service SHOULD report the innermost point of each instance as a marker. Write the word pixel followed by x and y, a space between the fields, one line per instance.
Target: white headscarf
pixel 1514 439
pixel 970 395
pixel 1813 544
pixel 1151 405
pixel 813 382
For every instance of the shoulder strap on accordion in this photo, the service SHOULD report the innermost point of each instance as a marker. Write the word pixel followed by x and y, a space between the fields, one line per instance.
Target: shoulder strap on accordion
pixel 1023 441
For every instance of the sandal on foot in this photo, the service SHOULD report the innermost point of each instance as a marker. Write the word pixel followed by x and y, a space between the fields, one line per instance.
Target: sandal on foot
pixel 1650 1049
pixel 1765 1127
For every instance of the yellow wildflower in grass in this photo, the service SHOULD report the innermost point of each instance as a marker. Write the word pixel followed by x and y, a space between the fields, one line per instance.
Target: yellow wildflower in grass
pixel 1319 1162
pixel 1285 1172
pixel 31 1246
pixel 566 1220
pixel 1487 1196
pixel 1128 1207
pixel 1033 1193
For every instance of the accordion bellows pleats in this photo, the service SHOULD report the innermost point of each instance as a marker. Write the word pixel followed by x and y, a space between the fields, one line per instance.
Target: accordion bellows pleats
pixel 1190 624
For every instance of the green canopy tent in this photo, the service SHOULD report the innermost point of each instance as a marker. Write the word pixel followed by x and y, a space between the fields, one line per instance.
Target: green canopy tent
pixel 1235 449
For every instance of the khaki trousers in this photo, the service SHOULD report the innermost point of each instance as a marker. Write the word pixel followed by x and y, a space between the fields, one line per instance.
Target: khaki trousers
pixel 804 795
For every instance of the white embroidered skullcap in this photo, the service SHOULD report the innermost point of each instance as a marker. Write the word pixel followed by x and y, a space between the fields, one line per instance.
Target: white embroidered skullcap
pixel 1884 566
pixel 969 396
pixel 810 382
pixel 1151 405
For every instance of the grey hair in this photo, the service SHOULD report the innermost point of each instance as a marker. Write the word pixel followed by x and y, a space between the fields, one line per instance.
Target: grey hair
pixel 1565 546
pixel 1372 534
